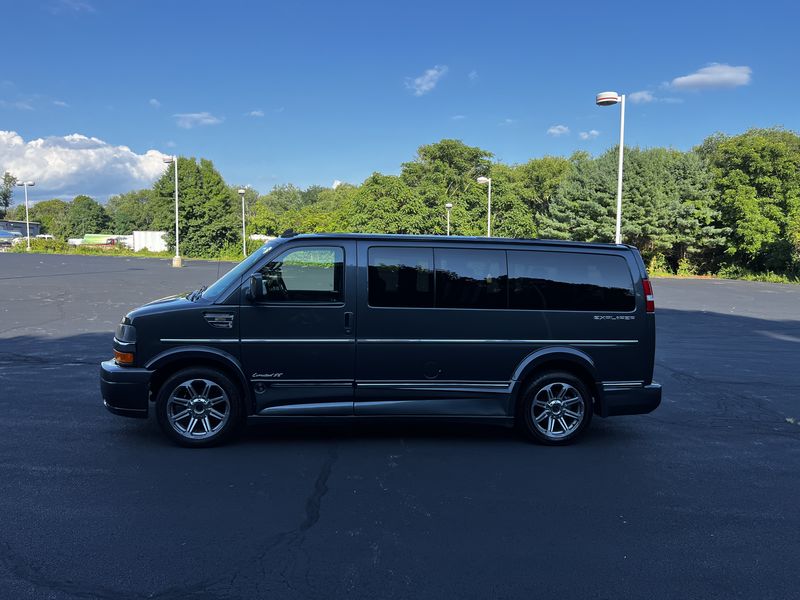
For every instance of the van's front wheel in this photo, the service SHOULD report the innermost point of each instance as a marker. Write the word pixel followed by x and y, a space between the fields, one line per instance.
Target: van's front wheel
pixel 556 408
pixel 198 407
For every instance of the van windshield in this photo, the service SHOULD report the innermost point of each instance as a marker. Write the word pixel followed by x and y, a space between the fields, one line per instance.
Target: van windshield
pixel 213 291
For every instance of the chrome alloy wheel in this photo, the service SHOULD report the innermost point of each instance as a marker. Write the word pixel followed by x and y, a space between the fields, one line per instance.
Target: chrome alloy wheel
pixel 198 408
pixel 557 410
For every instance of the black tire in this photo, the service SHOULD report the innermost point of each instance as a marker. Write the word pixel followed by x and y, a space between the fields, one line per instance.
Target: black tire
pixel 567 394
pixel 205 393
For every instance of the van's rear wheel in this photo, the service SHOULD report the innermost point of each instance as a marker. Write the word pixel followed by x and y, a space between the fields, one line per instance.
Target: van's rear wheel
pixel 199 407
pixel 556 408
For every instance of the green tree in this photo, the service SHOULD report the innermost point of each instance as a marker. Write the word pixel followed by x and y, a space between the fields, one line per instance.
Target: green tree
pixel 310 195
pixel 52 214
pixel 386 204
pixel 207 219
pixel 512 213
pixel 130 212
pixel 85 215
pixel 583 207
pixel 262 221
pixel 538 180
pixel 446 172
pixel 282 198
pixel 332 211
pixel 756 182
pixel 7 192
pixel 666 205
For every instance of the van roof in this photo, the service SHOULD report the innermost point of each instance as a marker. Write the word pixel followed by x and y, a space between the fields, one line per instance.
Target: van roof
pixel 453 239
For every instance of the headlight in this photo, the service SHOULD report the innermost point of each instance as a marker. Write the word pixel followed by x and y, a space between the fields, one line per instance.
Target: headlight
pixel 125 333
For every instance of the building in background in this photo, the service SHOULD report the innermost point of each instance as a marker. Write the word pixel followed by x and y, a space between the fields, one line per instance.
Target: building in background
pixel 20 227
pixel 139 240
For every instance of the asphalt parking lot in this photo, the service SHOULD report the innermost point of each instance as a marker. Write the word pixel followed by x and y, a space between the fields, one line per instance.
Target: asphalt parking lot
pixel 697 500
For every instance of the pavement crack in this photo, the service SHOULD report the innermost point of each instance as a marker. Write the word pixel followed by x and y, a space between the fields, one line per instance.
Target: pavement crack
pixel 283 562
pixel 314 501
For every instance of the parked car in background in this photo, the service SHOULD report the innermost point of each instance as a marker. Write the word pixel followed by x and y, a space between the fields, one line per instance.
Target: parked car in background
pixel 544 334
pixel 8 238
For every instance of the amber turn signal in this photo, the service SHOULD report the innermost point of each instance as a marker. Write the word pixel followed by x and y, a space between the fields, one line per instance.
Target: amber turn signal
pixel 123 358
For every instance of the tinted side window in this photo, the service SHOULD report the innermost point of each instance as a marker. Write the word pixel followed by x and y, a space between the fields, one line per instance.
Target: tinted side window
pixel 305 275
pixel 470 278
pixel 569 281
pixel 401 277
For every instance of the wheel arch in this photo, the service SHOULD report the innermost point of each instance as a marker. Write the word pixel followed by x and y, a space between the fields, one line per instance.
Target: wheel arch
pixel 173 360
pixel 556 358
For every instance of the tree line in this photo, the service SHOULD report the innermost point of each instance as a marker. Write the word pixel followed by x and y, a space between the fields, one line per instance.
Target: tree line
pixel 732 201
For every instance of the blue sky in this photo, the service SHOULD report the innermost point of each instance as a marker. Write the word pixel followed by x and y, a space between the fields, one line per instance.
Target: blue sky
pixel 310 93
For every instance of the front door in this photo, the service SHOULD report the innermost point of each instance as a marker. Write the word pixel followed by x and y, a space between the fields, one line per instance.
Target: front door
pixel 298 343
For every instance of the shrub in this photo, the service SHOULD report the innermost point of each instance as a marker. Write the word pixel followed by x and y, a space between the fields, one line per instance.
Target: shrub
pixel 686 268
pixel 42 246
pixel 659 266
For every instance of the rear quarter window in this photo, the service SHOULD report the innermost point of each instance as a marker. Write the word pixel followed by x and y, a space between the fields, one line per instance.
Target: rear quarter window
pixel 569 281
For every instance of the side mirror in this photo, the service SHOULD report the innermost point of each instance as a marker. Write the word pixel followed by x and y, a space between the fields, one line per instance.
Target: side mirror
pixel 255 291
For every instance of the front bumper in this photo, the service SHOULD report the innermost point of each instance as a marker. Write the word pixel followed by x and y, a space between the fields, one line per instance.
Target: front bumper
pixel 126 390
pixel 636 400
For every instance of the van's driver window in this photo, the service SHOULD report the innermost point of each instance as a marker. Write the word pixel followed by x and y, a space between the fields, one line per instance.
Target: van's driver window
pixel 311 274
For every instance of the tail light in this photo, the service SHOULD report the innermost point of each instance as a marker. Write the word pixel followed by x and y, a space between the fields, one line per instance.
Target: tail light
pixel 649 299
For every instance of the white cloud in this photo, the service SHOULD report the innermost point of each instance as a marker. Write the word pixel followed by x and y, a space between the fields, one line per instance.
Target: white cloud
pixel 507 121
pixel 189 120
pixel 77 164
pixel 641 97
pixel 558 130
pixel 458 117
pixel 60 103
pixel 255 113
pixel 588 135
pixel 154 103
pixel 427 81
pixel 713 76
pixel 171 144
pixel 646 96
pixel 473 76
pixel 336 183
pixel 16 104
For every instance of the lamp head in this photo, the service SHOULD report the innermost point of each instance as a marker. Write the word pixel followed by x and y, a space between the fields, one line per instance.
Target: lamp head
pixel 607 98
pixel 483 180
pixel 449 205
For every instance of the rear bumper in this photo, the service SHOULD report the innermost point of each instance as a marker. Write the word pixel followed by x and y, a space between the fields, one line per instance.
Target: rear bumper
pixel 125 390
pixel 634 400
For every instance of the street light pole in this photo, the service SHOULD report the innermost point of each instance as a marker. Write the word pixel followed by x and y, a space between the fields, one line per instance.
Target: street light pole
pixel 244 238
pixel 607 99
pixel 176 260
pixel 25 185
pixel 448 206
pixel 483 180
